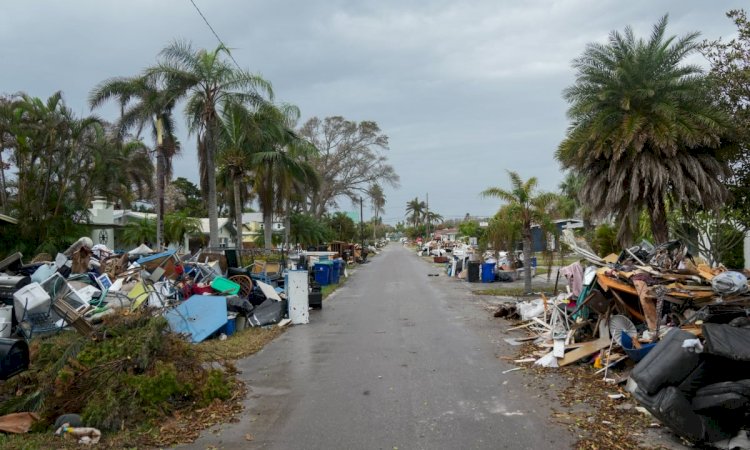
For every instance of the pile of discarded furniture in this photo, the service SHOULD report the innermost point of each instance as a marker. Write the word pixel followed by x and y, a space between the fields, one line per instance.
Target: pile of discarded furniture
pixel 202 296
pixel 674 329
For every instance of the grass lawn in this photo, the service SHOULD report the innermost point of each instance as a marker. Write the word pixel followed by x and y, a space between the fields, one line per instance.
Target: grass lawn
pixel 239 345
pixel 516 291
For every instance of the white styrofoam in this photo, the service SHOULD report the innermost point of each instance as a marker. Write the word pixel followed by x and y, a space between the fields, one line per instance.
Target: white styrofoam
pixel 297 292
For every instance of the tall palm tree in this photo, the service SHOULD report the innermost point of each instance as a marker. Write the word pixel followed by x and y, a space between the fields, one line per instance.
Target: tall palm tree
pixel 377 198
pixel 528 207
pixel 277 162
pixel 235 156
pixel 145 102
pixel 210 82
pixel 643 129
pixel 417 209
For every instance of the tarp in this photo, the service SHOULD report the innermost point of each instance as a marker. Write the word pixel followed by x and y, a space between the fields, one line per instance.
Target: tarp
pixel 141 250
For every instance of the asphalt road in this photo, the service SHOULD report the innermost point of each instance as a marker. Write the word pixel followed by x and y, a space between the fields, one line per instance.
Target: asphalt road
pixel 395 360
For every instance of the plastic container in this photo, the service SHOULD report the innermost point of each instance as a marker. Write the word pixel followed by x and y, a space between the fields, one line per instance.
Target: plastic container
pixel 225 286
pixel 31 298
pixel 488 272
pixel 323 271
pixel 230 327
pixel 335 271
pixel 636 354
pixel 6 313
pixel 43 272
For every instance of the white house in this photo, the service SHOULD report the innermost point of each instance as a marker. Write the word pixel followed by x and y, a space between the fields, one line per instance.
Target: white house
pixel 105 219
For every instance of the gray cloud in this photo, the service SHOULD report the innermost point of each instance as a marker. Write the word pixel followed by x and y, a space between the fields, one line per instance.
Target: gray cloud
pixel 465 90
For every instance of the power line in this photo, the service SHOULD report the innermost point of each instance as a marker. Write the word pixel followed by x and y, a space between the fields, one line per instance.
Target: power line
pixel 215 34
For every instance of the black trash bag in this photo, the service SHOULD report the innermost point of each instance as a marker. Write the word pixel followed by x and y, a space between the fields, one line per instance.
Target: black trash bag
pixel 239 305
pixel 673 409
pixel 504 277
pixel 267 313
pixel 256 296
pixel 668 364
pixel 727 341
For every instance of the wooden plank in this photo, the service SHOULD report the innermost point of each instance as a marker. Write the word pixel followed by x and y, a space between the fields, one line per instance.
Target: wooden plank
pixel 587 349
pixel 608 283
pixel 627 307
pixel 526 325
pixel 648 304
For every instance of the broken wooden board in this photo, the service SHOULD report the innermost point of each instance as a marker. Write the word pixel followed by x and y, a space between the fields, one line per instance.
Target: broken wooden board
pixel 608 283
pixel 587 349
pixel 648 304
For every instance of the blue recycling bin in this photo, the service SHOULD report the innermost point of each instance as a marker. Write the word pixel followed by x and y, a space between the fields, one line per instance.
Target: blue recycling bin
pixel 323 272
pixel 488 272
pixel 338 268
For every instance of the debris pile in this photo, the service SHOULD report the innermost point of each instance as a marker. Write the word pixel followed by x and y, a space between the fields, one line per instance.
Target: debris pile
pixel 68 325
pixel 682 327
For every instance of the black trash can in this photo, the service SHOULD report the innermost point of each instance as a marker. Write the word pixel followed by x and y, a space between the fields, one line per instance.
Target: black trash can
pixel 473 275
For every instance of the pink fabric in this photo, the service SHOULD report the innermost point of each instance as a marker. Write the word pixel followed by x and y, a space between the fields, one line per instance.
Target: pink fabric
pixel 574 274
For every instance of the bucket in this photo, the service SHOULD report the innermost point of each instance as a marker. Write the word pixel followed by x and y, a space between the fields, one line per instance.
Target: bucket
pixel 6 313
pixel 240 323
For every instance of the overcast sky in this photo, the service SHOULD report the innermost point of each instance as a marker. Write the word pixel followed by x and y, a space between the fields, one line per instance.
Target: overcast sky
pixel 465 90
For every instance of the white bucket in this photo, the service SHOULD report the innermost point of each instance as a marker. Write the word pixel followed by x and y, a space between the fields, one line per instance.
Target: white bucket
pixel 6 313
pixel 5 327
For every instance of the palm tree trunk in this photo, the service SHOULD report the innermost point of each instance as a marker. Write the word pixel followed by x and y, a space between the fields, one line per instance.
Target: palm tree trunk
pixel 2 180
pixel 288 224
pixel 527 259
pixel 237 211
pixel 659 224
pixel 268 228
pixel 159 184
pixel 268 210
pixel 213 214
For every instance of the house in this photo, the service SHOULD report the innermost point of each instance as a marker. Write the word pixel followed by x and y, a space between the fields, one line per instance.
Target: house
pixel 105 219
pixel 447 234
pixel 540 242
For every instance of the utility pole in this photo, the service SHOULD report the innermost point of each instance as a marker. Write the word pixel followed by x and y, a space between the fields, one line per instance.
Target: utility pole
pixel 361 223
pixel 427 215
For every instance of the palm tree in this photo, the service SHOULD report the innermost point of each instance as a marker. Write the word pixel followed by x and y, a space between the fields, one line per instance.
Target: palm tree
pixel 377 198
pixel 643 129
pixel 235 156
pixel 179 224
pixel 144 103
pixel 210 82
pixel 417 209
pixel 528 207
pixel 278 161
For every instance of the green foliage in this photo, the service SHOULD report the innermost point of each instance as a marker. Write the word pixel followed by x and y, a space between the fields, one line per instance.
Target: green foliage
pixel 62 161
pixel 342 227
pixel 217 387
pixel 191 201
pixel 730 69
pixel 139 232
pixel 644 130
pixel 504 231
pixel 134 374
pixel 605 240
pixel 179 224
pixel 307 230
pixel 470 228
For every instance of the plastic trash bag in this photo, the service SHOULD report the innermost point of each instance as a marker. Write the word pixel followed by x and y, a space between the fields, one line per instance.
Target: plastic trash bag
pixel 729 283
